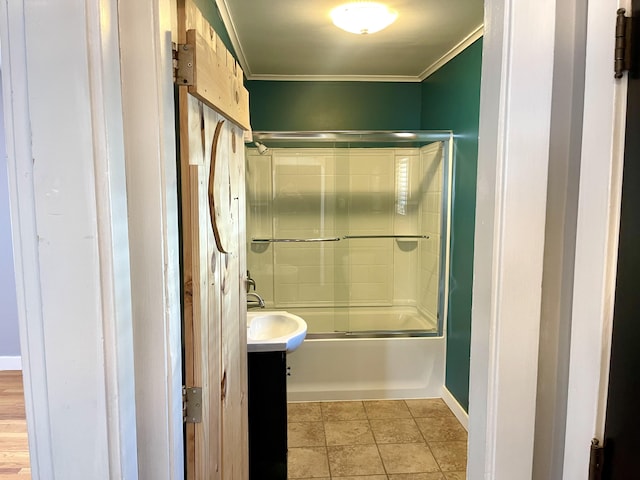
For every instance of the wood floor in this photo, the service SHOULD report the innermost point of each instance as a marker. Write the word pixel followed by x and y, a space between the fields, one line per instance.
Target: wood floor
pixel 417 439
pixel 14 450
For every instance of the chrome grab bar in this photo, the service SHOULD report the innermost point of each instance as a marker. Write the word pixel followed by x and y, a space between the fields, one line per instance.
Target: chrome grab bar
pixel 333 239
pixel 399 237
pixel 294 240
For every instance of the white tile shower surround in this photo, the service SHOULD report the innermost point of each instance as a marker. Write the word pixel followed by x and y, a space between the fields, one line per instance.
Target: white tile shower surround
pixel 311 193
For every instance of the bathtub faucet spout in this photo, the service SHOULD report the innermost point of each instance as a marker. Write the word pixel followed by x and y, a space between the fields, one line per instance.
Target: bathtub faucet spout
pixel 250 282
pixel 257 301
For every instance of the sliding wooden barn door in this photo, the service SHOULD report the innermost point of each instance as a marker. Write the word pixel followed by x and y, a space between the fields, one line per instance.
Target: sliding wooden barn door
pixel 213 114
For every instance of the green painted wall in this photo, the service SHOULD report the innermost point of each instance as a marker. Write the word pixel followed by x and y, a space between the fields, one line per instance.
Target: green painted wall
pixel 451 99
pixel 334 105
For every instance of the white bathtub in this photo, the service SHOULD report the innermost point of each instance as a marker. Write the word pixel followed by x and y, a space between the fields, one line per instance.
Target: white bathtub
pixel 365 319
pixel 358 368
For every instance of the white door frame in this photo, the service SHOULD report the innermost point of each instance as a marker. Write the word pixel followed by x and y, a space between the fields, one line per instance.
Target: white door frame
pixel 63 121
pixel 99 296
pixel 512 173
pixel 152 197
pixel 505 330
pixel 596 240
pixel 513 157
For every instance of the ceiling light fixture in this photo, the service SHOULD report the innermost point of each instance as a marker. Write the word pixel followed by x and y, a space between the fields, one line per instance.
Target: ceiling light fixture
pixel 363 17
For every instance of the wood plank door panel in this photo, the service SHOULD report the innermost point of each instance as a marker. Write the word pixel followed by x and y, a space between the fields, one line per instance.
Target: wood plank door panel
pixel 214 296
pixel 232 302
pixel 215 333
pixel 202 332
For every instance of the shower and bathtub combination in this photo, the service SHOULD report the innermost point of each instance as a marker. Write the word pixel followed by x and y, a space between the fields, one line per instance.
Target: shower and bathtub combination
pixel 350 231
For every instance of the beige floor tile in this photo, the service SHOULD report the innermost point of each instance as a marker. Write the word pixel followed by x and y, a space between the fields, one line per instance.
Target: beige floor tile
pixel 304 412
pixel 451 456
pixel 355 460
pixel 428 407
pixel 348 432
pixel 408 458
pixel 306 434
pixel 397 430
pixel 308 462
pixel 333 411
pixel 397 426
pixel 362 477
pixel 386 409
pixel 456 475
pixel 417 476
pixel 441 429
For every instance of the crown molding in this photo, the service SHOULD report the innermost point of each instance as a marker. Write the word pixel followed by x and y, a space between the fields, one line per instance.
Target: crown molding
pixel 438 64
pixel 233 36
pixel 335 78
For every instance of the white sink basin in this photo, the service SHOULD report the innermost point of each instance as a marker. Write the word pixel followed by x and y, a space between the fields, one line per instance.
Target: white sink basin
pixel 274 331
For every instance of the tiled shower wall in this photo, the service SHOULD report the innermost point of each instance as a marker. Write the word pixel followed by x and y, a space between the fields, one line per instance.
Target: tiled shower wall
pixel 333 192
pixel 431 221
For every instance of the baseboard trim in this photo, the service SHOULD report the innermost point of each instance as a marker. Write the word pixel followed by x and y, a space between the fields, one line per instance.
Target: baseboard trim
pixel 455 407
pixel 365 394
pixel 11 363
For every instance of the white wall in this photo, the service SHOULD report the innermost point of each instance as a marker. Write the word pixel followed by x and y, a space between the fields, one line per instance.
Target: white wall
pixel 9 340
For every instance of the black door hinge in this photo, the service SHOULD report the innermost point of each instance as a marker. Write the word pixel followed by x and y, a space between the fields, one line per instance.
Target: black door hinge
pixel 622 57
pixel 596 460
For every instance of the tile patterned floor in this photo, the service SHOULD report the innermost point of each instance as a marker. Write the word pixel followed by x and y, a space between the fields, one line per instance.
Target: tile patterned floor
pixel 376 440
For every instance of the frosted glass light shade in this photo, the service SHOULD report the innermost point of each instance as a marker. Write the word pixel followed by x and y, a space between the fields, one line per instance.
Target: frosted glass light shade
pixel 363 17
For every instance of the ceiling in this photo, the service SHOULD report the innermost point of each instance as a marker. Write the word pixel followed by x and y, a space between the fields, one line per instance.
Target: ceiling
pixel 295 39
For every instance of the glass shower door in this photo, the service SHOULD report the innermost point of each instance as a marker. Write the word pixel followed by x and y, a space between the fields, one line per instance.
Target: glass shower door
pixel 393 238
pixel 294 233
pixel 352 235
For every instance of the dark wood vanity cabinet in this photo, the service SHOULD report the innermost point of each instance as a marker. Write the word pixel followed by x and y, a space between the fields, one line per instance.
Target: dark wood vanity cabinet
pixel 267 415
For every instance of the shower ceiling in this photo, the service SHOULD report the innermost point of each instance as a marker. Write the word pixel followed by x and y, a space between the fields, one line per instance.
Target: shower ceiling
pixel 295 39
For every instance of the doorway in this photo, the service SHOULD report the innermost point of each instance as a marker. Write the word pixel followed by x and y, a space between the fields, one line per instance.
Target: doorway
pixel 527 21
pixel 14 448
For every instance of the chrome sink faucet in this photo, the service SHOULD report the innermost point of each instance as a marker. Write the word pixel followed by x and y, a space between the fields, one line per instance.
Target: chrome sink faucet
pixel 258 302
